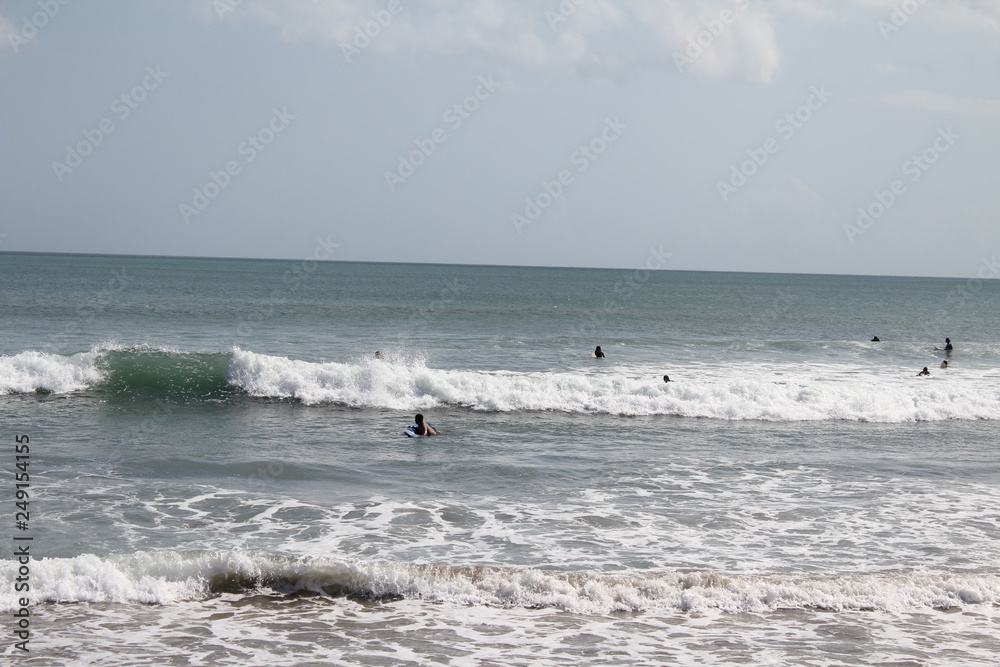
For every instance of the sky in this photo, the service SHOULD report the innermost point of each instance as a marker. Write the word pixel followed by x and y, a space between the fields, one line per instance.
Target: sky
pixel 792 136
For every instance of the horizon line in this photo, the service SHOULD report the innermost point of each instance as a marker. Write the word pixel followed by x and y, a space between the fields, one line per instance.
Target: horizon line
pixel 465 264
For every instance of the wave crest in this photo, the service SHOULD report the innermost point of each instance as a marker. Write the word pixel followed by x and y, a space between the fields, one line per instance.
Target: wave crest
pixel 171 576
pixel 33 371
pixel 737 392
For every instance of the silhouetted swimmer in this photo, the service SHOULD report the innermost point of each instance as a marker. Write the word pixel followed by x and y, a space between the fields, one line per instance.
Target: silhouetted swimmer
pixel 924 372
pixel 427 429
pixel 944 363
pixel 666 378
pixel 948 346
pixel 876 339
pixel 598 352
pixel 379 355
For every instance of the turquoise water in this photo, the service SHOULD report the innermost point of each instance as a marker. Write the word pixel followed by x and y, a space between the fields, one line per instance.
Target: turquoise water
pixel 221 476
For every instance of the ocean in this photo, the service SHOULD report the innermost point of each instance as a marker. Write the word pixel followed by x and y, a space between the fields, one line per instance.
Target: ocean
pixel 205 465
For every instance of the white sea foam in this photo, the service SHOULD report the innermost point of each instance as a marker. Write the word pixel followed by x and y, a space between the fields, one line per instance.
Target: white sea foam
pixel 228 630
pixel 170 576
pixel 373 383
pixel 31 371
pixel 741 392
pixel 737 391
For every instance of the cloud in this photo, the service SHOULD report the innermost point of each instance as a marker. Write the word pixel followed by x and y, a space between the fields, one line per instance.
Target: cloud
pixel 587 34
pixel 978 14
pixel 736 42
pixel 810 10
pixel 929 101
pixel 973 14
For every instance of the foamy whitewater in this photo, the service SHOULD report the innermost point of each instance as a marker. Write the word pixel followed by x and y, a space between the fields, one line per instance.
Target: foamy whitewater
pixel 738 391
pixel 219 475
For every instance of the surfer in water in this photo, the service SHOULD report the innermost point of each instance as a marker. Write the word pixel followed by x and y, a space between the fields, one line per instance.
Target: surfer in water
pixel 426 429
pixel 666 378
pixel 924 372
pixel 948 346
pixel 876 339
pixel 944 363
pixel 598 352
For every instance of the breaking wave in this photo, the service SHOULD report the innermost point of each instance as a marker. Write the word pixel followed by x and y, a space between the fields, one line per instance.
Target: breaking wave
pixel 735 393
